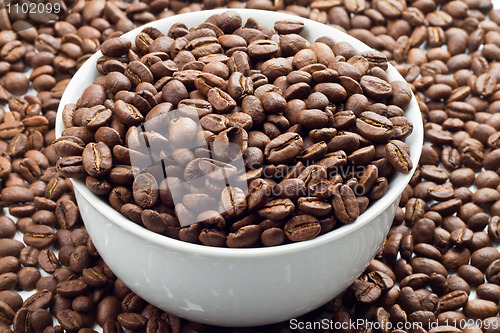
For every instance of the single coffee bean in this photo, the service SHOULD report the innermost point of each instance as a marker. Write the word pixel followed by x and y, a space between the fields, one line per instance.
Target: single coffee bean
pixel 97 159
pixel 367 292
pixel 302 227
pixel 492 271
pixel 115 47
pixel 344 204
pixel 284 148
pixel 108 309
pixel 39 300
pixel 374 126
pixel 6 313
pixel 483 257
pixel 10 247
pixel 132 321
pixel 7 227
pixel 398 156
pixel 453 300
pixel 39 236
pixel 28 277
pixel 9 264
pixel 48 261
pixel 480 309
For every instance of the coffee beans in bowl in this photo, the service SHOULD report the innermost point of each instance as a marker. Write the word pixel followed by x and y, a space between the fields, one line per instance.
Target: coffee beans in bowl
pixel 217 133
pixel 227 131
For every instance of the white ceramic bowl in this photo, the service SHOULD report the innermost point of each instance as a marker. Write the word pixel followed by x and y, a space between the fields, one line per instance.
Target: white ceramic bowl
pixel 238 287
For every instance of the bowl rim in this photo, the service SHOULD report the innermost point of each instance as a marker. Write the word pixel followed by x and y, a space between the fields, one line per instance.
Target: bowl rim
pixel 396 185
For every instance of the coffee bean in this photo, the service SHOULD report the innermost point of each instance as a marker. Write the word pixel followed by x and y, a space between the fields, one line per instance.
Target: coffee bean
pixel 397 154
pixel 40 320
pixel 428 266
pixel 79 259
pixel 39 300
pixel 6 313
pixel 284 148
pixel 10 247
pixel 48 261
pixel 451 238
pixel 480 309
pixel 7 227
pixel 132 321
pixel 483 257
pixel 39 236
pixel 70 320
pixel 344 204
pixel 492 271
pixel 28 277
pixel 302 227
pixel 453 300
pixel 107 309
pixel 115 47
pixel 97 159
pixel 145 190
pixel 367 292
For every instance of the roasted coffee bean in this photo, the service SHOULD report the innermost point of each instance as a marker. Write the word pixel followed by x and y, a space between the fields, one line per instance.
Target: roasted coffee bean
pixel 128 113
pixel 70 320
pixel 453 300
pixel 7 314
pixel 145 190
pixel 10 247
pixel 471 274
pixel 71 288
pixel 48 261
pixel 28 277
pixel 367 292
pixel 428 266
pixel 132 321
pixel 97 159
pixel 284 148
pixel 244 237
pixel 480 309
pixel 374 126
pixel 39 236
pixel 115 47
pixel 40 320
pixel 7 227
pixel 16 194
pixel 9 264
pixel 302 227
pixel 39 300
pixel 483 257
pixel 107 309
pixel 79 259
pixel 398 156
pixel 344 203
pixel 224 97
pixel 22 320
pixel 492 271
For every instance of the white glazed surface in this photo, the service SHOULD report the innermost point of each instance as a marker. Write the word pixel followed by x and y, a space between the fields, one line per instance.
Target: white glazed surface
pixel 238 287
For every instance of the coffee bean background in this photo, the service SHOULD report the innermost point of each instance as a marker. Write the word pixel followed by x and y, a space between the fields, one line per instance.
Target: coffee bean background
pixel 440 260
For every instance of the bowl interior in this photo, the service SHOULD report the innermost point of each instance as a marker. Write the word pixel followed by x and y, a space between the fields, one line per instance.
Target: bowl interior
pixel 313 30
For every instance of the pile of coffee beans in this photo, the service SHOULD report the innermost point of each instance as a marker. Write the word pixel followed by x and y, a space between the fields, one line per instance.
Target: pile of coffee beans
pixel 438 269
pixel 315 127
